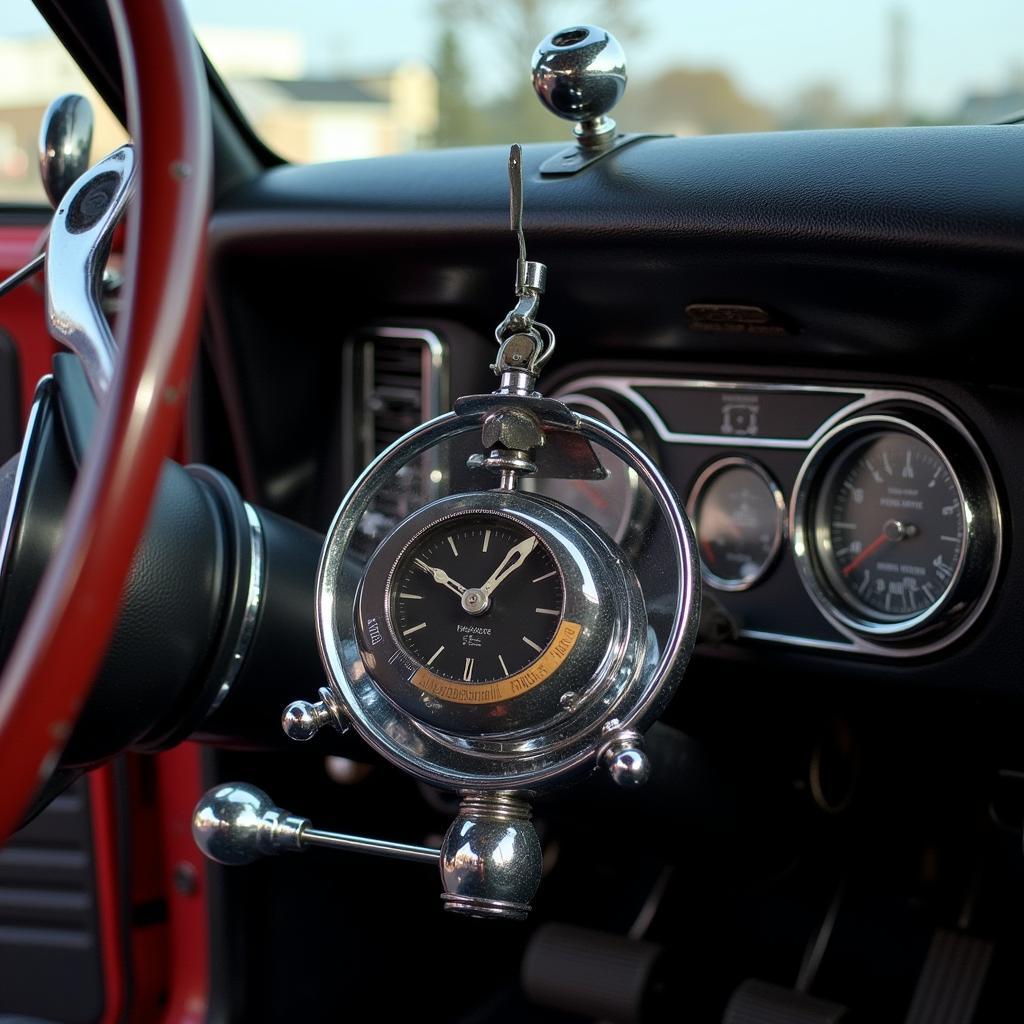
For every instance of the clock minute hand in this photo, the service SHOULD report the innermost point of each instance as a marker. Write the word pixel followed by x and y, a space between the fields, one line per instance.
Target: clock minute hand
pixel 440 576
pixel 508 565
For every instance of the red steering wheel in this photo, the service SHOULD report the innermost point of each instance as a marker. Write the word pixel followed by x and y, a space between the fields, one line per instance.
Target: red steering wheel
pixel 64 637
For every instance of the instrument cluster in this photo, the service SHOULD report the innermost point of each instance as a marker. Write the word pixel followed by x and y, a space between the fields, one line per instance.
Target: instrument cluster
pixel 855 519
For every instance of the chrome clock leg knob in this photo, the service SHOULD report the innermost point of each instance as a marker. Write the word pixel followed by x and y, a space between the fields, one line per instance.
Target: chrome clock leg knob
pixel 491 858
pixel 302 720
pixel 624 757
pixel 237 823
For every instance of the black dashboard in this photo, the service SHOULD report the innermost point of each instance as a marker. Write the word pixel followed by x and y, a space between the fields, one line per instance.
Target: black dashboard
pixel 763 299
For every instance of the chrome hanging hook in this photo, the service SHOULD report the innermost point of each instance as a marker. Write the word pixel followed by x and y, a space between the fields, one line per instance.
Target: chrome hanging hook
pixel 525 343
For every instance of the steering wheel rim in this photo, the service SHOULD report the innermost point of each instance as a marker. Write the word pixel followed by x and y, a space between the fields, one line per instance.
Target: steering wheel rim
pixel 65 634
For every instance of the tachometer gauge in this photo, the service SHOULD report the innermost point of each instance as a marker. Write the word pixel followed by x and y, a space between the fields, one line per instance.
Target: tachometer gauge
pixel 890 526
pixel 738 514
pixel 895 529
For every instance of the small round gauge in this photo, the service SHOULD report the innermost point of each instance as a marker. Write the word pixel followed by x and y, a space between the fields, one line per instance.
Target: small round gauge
pixel 614 503
pixel 738 514
pixel 476 599
pixel 889 527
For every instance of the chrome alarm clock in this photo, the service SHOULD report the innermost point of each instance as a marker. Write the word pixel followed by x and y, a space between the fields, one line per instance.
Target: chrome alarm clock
pixel 497 642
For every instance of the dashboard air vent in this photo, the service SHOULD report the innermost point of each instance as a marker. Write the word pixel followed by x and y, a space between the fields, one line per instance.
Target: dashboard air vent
pixel 396 378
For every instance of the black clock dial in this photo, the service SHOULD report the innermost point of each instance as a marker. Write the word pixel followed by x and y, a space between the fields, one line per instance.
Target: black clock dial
pixel 476 599
pixel 891 527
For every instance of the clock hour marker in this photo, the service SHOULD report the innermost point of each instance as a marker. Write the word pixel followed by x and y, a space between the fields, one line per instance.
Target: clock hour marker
pixel 530 643
pixel 430 660
pixel 487 539
pixel 413 629
pixel 501 662
pixel 467 672
pixel 451 540
pixel 546 611
pixel 546 576
pixel 412 597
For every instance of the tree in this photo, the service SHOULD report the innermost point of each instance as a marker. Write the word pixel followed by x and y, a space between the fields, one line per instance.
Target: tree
pixel 819 105
pixel 689 101
pixel 456 116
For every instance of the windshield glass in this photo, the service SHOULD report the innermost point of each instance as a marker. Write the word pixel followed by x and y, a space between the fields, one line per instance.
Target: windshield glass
pixel 326 79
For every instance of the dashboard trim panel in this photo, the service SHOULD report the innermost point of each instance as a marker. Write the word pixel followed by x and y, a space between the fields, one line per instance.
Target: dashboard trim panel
pixel 862 399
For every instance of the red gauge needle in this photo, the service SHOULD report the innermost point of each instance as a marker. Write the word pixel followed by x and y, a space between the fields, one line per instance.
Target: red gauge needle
pixel 882 538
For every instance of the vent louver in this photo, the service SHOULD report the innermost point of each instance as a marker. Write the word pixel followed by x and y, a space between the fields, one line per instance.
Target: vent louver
pixel 397 379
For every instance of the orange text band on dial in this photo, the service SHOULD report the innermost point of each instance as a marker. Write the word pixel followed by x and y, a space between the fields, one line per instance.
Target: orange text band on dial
pixel 503 689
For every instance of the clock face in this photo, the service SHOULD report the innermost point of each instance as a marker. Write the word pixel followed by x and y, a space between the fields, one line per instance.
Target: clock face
pixel 475 599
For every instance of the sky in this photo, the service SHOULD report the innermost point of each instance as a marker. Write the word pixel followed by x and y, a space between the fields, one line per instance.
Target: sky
pixel 771 48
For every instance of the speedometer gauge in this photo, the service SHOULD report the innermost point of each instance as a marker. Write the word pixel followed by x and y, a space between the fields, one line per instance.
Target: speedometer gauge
pixel 890 526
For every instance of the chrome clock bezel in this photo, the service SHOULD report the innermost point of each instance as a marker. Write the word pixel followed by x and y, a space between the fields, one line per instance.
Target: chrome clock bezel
pixel 979 560
pixel 778 499
pixel 645 667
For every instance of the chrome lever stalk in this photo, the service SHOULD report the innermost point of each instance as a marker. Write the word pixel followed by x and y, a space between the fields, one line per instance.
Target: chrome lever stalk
pixel 490 860
pixel 236 823
pixel 33 266
pixel 80 236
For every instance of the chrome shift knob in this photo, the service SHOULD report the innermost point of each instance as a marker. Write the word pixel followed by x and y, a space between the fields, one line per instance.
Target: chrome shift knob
pixel 579 73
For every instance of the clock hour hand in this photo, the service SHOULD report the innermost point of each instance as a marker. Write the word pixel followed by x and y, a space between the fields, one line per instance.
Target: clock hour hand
pixel 515 558
pixel 440 576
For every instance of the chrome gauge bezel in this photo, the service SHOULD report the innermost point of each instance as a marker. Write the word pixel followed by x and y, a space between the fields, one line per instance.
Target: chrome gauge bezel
pixel 636 512
pixel 778 499
pixel 645 667
pixel 979 559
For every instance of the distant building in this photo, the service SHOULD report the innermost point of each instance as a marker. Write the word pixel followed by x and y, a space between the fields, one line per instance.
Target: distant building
pixel 303 118
pixel 37 69
pixel 309 118
pixel 313 119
